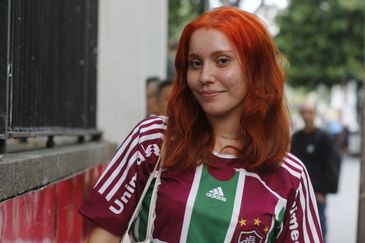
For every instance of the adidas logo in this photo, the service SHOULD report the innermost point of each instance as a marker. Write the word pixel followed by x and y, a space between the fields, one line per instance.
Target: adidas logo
pixel 216 193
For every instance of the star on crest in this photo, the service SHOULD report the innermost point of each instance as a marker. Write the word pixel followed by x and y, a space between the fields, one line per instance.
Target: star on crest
pixel 266 229
pixel 242 222
pixel 257 221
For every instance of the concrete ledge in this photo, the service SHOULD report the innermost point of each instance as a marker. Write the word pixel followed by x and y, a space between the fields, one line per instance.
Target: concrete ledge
pixel 21 172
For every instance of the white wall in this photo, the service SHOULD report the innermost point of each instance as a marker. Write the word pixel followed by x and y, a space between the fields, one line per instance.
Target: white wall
pixel 132 44
pixel 156 38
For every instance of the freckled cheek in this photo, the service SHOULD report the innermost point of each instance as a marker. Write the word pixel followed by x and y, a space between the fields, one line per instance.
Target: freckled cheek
pixel 230 79
pixel 191 80
pixel 235 83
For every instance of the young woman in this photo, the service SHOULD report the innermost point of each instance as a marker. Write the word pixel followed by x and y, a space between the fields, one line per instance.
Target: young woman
pixel 226 173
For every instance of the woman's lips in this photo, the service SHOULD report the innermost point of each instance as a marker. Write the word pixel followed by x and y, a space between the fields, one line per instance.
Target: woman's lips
pixel 210 93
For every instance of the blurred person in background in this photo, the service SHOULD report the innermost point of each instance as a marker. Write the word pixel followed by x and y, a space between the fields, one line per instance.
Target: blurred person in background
pixel 318 151
pixel 337 129
pixel 152 106
pixel 163 94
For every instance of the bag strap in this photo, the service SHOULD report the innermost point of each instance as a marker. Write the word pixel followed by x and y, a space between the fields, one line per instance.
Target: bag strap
pixel 151 211
pixel 138 206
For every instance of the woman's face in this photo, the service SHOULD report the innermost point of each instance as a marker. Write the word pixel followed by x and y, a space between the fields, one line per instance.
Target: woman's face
pixel 214 74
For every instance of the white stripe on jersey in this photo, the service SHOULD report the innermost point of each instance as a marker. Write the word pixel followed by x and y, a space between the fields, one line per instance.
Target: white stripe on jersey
pixel 294 173
pixel 131 161
pixel 190 203
pixel 252 174
pixel 149 128
pixel 270 230
pixel 310 198
pixel 282 202
pixel 236 207
pixel 158 241
pixel 281 230
pixel 278 207
pixel 117 170
pixel 307 180
pixel 294 161
pixel 304 221
pixel 123 147
pixel 150 137
pixel 298 162
pixel 119 183
pixel 295 164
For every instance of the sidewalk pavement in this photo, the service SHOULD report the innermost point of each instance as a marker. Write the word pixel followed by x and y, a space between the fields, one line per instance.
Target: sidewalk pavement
pixel 342 208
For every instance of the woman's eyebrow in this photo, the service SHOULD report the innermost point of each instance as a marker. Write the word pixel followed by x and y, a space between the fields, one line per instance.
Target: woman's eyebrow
pixel 192 55
pixel 222 52
pixel 215 53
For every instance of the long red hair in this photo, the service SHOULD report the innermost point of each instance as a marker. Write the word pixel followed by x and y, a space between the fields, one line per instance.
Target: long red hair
pixel 189 139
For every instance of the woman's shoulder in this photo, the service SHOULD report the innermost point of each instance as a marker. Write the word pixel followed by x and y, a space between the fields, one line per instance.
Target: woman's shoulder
pixel 286 178
pixel 293 165
pixel 154 119
pixel 152 124
pixel 295 171
pixel 149 130
pixel 290 168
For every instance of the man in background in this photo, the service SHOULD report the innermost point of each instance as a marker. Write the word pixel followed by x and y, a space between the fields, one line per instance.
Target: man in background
pixel 163 94
pixel 317 150
pixel 152 106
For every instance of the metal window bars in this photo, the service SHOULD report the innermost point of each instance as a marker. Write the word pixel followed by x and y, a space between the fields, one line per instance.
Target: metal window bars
pixel 48 57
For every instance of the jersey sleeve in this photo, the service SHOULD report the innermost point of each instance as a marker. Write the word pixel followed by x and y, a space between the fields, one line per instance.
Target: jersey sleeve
pixel 301 220
pixel 111 202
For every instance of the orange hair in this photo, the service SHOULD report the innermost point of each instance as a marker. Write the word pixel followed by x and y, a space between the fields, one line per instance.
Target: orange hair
pixel 264 120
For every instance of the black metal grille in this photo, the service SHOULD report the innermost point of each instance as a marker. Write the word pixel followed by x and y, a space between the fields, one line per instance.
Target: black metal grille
pixel 4 6
pixel 49 50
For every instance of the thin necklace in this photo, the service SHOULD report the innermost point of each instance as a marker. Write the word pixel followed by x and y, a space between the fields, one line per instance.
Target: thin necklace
pixel 226 136
pixel 232 147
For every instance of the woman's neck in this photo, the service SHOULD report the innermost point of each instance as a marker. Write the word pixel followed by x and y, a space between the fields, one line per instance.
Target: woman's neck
pixel 225 127
pixel 227 135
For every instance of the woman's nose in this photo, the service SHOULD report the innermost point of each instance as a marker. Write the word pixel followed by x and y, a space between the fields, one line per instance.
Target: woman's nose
pixel 207 74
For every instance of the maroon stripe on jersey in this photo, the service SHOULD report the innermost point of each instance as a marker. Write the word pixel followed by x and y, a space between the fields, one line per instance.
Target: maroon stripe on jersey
pixel 293 157
pixel 312 207
pixel 294 164
pixel 170 207
pixel 125 152
pixel 304 211
pixel 296 212
pixel 115 213
pixel 281 181
pixel 307 186
pixel 133 157
pixel 308 210
pixel 257 209
pixel 295 161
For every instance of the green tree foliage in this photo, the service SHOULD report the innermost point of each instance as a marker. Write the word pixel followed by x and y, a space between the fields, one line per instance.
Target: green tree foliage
pixel 323 41
pixel 180 13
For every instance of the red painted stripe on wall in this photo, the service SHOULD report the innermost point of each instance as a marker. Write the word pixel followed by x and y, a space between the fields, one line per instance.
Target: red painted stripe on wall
pixel 49 213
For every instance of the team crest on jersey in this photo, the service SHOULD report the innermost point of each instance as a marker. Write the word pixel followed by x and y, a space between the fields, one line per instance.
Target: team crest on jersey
pixel 249 237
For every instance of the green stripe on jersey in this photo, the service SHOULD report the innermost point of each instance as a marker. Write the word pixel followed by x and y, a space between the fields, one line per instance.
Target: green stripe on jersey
pixel 277 226
pixel 139 226
pixel 212 209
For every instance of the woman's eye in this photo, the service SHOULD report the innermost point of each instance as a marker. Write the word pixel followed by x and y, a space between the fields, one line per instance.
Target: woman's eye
pixel 195 63
pixel 223 60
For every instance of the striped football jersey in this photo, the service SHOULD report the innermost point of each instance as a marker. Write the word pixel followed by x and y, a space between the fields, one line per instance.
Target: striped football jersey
pixel 225 203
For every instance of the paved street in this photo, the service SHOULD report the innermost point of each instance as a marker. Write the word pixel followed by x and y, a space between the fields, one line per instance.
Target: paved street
pixel 343 207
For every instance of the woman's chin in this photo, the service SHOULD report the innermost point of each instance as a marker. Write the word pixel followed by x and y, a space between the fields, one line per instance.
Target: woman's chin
pixel 215 113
